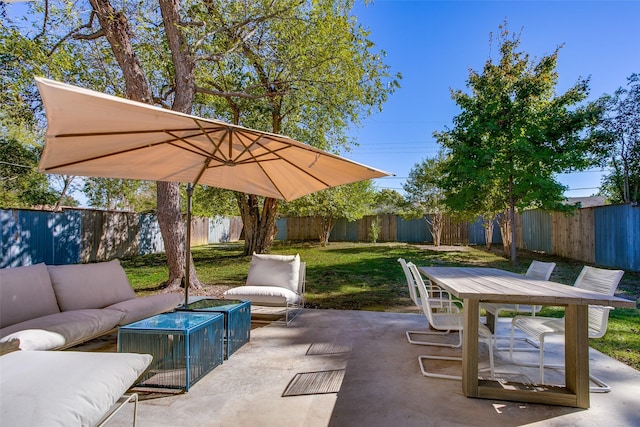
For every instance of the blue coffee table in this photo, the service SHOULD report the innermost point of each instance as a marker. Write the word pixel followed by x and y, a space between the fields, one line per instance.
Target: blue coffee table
pixel 185 347
pixel 237 319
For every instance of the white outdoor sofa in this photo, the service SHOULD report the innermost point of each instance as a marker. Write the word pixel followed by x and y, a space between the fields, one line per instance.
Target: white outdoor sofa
pixel 273 281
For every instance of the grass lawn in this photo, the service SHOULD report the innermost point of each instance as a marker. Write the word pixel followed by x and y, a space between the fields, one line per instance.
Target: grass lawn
pixel 367 276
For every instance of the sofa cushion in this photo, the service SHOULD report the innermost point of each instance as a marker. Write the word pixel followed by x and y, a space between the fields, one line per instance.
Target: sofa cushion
pixel 82 286
pixel 267 295
pixel 64 388
pixel 140 308
pixel 25 293
pixel 274 270
pixel 62 329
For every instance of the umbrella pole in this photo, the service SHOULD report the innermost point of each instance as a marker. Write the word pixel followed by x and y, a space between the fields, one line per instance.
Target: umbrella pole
pixel 188 246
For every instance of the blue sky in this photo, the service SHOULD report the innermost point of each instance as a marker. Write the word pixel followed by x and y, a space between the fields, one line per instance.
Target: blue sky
pixel 435 43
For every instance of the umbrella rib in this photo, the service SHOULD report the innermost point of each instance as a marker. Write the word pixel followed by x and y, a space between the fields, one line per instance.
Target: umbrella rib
pixel 104 156
pixel 216 146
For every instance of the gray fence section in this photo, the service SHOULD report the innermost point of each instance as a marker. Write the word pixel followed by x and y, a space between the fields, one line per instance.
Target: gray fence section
pixel 32 237
pixel 537 231
pixel 81 235
pixel 617 236
pixel 413 230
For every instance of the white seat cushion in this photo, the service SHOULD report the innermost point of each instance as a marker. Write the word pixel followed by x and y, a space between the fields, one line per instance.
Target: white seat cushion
pixel 274 270
pixel 268 295
pixel 64 388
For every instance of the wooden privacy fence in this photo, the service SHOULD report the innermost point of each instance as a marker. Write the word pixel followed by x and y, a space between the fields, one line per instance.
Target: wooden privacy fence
pixel 82 235
pixel 608 236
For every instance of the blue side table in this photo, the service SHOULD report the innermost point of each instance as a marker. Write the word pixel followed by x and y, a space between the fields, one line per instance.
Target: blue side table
pixel 185 347
pixel 237 319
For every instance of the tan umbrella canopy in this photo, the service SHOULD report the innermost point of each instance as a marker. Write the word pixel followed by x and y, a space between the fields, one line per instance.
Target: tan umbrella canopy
pixel 93 134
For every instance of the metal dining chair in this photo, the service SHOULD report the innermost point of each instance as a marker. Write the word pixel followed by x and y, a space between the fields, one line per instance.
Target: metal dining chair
pixel 538 328
pixel 445 320
pixel 439 298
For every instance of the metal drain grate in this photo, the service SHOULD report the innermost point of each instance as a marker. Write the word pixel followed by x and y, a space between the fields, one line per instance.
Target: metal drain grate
pixel 321 382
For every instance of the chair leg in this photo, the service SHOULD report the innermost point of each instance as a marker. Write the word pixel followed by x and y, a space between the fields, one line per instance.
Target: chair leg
pixel 431 343
pixel 434 375
pixel 602 387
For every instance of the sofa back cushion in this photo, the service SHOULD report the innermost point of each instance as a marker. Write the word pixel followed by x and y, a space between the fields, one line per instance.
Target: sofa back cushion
pixel 274 270
pixel 25 293
pixel 82 286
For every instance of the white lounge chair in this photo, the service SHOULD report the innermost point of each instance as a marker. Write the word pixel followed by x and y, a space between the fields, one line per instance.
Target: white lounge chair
pixel 274 281
pixel 538 328
pixel 537 270
pixel 446 320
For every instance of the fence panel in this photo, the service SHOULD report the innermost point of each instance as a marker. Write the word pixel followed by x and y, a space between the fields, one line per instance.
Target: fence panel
pixel 617 236
pixel 454 232
pixel 108 235
pixel 573 235
pixel 150 235
pixel 199 231
pixel 536 231
pixel 412 230
pixel 31 237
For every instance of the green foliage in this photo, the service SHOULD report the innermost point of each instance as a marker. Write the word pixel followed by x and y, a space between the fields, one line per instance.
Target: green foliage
pixel 120 194
pixel 515 134
pixel 21 185
pixel 212 201
pixel 424 196
pixel 621 125
pixel 351 202
pixel 388 202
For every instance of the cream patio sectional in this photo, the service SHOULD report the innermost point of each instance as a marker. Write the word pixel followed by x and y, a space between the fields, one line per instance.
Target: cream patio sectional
pixel 57 307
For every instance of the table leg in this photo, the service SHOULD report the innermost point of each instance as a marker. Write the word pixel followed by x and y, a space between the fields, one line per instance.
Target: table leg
pixel 576 357
pixel 470 347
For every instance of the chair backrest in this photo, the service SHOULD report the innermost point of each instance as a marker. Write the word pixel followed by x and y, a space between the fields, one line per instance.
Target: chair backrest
pixel 604 282
pixel 540 270
pixel 422 291
pixel 411 284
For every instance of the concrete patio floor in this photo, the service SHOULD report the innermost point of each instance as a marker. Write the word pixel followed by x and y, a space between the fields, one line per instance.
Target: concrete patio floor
pixel 382 383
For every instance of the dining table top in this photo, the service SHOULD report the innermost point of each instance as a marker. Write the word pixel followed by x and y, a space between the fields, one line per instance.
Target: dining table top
pixel 495 285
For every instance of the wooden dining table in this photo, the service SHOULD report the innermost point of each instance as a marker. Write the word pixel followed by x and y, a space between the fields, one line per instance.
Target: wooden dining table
pixel 477 284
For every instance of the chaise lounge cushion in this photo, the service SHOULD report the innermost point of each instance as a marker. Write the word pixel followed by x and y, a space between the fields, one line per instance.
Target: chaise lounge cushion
pixel 274 270
pixel 81 286
pixel 64 388
pixel 62 329
pixel 266 295
pixel 140 308
pixel 26 294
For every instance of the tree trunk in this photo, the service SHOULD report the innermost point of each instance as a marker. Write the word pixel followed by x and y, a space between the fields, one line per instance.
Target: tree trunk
pixel 512 220
pixel 488 231
pixel 505 231
pixel 117 32
pixel 259 227
pixel 326 225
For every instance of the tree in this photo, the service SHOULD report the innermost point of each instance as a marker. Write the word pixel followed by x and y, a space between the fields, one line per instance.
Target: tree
pixel 514 135
pixel 120 194
pixel 350 201
pixel 621 124
pixel 388 202
pixel 190 55
pixel 425 197
pixel 308 74
pixel 21 186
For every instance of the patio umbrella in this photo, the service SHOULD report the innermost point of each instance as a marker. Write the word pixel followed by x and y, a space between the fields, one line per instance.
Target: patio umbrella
pixel 93 134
